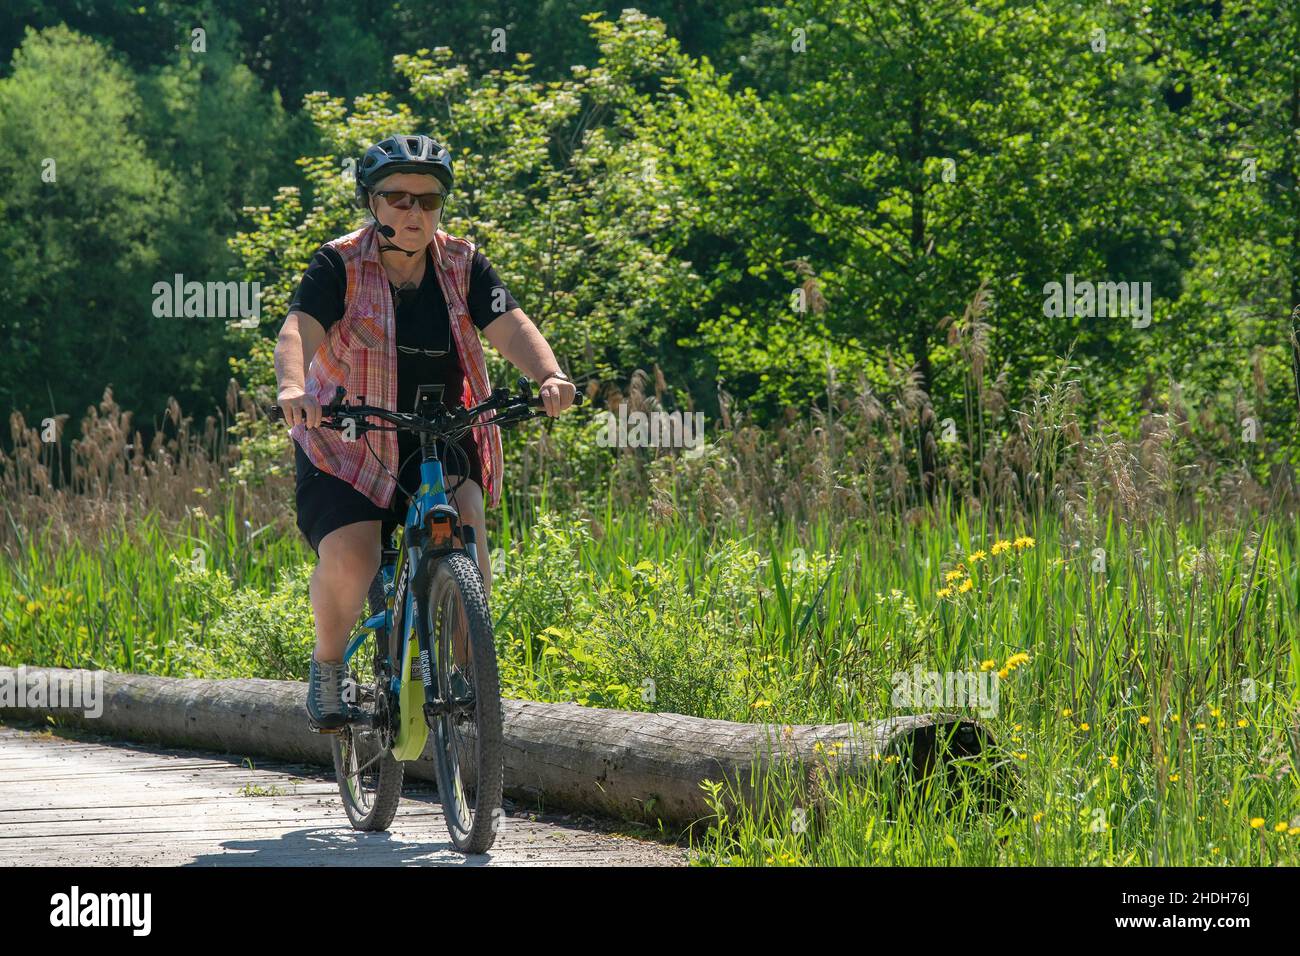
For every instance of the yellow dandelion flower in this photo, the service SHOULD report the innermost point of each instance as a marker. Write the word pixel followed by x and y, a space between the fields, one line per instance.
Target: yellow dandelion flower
pixel 999 547
pixel 761 703
pixel 1225 801
pixel 988 665
pixel 1200 726
pixel 954 574
pixel 1084 726
pixel 1066 711
pixel 1114 761
pixel 1021 755
pixel 966 585
pixel 1243 722
pixel 1024 541
pixel 1175 718
pixel 1173 778
pixel 1215 850
pixel 1279 827
pixel 1038 817
pixel 1144 719
pixel 1003 672
pixel 943 592
pixel 1016 727
pixel 1214 712
pixel 1293 831
pixel 977 556
pixel 1015 660
pixel 1256 822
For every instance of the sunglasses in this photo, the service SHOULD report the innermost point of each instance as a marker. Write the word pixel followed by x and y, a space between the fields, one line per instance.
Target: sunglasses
pixel 403 200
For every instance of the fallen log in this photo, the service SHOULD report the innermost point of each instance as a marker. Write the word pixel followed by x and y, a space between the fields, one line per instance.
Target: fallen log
pixel 635 766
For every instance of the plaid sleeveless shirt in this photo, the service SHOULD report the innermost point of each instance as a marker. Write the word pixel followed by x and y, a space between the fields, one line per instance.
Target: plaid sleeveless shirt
pixel 360 353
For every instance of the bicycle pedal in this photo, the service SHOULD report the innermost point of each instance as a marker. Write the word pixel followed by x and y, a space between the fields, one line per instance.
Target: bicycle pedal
pixel 354 716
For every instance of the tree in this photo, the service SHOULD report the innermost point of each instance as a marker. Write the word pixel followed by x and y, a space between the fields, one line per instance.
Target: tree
pixel 81 196
pixel 920 150
pixel 563 185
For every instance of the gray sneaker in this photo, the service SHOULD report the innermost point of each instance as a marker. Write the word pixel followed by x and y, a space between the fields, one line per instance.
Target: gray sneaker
pixel 326 711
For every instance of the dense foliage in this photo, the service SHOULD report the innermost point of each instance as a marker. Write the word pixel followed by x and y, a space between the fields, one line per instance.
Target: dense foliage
pixel 820 208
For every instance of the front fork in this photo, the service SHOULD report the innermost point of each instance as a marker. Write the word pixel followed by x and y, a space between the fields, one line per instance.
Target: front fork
pixel 468 534
pixel 433 704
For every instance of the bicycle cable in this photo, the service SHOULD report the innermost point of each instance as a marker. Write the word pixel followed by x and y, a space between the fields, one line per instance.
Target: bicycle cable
pixel 447 444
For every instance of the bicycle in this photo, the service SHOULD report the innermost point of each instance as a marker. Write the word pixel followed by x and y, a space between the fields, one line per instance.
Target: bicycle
pixel 459 702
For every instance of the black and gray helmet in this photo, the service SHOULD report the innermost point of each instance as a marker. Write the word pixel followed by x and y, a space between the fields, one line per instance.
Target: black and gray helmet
pixel 402 154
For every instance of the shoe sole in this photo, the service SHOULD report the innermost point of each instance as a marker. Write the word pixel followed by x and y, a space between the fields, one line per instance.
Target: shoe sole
pixel 316 728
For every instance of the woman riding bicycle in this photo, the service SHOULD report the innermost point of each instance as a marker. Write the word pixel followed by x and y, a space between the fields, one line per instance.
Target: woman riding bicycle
pixel 381 311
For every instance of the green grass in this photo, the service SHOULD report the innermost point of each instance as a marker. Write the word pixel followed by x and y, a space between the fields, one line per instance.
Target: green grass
pixel 1152 714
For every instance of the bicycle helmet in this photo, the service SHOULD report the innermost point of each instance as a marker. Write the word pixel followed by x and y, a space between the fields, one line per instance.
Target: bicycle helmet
pixel 402 154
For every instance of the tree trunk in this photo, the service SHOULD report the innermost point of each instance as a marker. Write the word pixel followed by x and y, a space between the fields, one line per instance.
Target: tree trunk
pixel 1294 329
pixel 920 321
pixel 635 766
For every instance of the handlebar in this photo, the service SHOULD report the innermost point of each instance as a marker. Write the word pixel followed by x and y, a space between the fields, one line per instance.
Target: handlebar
pixel 511 410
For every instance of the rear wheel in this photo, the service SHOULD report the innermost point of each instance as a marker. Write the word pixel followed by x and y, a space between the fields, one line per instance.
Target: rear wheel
pixel 369 777
pixel 467 731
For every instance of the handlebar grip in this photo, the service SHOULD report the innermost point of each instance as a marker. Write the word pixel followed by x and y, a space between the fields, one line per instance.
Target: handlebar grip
pixel 537 402
pixel 275 413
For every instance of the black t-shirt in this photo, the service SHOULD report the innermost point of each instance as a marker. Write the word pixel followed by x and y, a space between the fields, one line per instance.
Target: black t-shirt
pixel 423 323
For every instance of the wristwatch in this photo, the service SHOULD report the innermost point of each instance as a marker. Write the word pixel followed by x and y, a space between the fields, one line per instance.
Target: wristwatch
pixel 557 374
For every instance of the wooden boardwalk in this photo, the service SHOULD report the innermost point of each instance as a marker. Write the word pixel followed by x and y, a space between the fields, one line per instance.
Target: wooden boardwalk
pixel 72 799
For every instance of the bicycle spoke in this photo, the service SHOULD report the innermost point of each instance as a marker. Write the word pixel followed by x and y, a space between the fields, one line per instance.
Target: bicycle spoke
pixel 352 751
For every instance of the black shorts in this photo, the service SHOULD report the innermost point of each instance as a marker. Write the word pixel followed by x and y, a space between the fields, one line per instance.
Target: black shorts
pixel 326 502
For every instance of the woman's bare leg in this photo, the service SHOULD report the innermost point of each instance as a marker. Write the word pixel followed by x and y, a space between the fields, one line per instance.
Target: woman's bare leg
pixel 349 558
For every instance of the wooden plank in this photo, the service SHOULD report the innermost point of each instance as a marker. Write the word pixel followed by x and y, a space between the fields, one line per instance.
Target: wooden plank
pixel 128 817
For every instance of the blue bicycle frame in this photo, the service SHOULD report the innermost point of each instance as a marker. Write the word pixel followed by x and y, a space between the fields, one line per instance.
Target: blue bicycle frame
pixel 429 508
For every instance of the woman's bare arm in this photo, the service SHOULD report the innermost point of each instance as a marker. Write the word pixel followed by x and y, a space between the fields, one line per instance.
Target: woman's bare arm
pixel 516 337
pixel 300 337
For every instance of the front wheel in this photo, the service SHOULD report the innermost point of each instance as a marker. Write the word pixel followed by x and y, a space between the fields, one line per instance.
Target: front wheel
pixel 467 725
